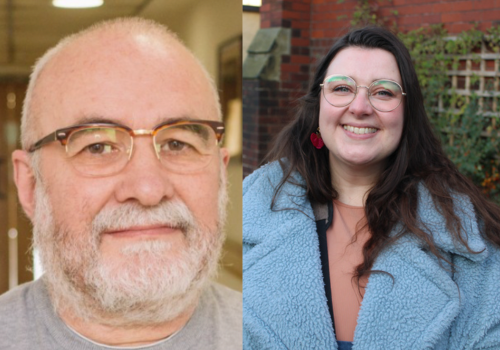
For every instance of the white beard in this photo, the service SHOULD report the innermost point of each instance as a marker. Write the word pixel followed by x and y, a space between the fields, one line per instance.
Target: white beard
pixel 151 284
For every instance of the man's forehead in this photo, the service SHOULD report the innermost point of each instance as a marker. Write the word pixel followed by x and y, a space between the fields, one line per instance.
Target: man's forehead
pixel 151 62
pixel 85 53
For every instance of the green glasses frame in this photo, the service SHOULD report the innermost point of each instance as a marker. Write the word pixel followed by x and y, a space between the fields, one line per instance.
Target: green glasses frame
pixel 322 86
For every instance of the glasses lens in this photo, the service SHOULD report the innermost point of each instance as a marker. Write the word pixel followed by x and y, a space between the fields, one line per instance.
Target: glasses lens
pixel 99 151
pixel 385 95
pixel 185 148
pixel 339 90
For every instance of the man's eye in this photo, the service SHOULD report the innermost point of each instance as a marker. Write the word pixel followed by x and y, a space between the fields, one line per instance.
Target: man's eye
pixel 99 148
pixel 175 145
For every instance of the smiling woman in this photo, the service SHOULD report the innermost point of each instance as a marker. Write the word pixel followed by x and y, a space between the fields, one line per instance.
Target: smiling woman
pixel 361 127
pixel 361 231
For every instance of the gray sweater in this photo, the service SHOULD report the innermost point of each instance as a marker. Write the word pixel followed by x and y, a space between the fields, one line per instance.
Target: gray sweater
pixel 28 321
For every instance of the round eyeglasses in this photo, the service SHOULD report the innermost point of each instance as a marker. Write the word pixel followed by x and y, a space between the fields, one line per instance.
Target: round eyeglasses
pixel 102 149
pixel 384 95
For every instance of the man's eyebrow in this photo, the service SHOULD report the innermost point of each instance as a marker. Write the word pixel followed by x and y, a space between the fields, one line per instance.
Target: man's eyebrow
pixel 177 119
pixel 96 120
pixel 169 120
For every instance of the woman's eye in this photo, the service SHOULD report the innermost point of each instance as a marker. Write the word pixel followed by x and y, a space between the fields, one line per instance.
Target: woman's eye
pixel 383 94
pixel 341 89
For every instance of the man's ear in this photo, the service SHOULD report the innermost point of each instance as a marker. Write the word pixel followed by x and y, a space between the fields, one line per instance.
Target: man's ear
pixel 224 153
pixel 25 181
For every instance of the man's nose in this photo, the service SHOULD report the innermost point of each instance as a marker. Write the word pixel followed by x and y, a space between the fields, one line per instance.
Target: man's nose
pixel 361 106
pixel 144 179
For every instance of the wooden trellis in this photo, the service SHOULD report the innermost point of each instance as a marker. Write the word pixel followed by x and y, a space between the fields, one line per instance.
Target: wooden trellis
pixel 478 73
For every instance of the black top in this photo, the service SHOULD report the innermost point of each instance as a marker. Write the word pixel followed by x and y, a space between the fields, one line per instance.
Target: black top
pixel 322 224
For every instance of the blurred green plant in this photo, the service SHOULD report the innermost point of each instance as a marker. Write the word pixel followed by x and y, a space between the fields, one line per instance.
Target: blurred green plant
pixel 467 122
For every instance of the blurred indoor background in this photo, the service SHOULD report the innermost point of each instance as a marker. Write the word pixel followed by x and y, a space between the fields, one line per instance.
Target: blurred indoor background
pixel 212 29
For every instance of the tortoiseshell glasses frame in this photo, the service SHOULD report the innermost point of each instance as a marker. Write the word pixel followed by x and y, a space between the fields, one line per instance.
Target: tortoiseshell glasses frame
pixel 102 149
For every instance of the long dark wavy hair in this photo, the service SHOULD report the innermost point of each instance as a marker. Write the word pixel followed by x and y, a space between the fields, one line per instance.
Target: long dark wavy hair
pixel 419 158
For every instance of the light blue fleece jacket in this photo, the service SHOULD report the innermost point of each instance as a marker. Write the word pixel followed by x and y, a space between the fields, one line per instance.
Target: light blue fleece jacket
pixel 425 307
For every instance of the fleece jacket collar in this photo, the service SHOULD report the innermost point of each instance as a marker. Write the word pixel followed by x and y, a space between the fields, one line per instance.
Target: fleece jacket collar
pixel 410 309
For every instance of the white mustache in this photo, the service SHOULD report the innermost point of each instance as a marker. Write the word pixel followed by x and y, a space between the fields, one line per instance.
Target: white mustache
pixel 168 213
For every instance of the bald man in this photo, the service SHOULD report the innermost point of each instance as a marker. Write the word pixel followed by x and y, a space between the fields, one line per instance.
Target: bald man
pixel 123 178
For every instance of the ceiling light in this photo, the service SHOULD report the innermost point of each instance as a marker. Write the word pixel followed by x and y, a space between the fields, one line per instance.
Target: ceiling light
pixel 256 3
pixel 77 4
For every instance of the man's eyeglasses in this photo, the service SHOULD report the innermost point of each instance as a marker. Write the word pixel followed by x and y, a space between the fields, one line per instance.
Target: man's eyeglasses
pixel 102 149
pixel 384 95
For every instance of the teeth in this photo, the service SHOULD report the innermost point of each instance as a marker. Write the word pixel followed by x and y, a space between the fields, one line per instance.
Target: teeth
pixel 360 131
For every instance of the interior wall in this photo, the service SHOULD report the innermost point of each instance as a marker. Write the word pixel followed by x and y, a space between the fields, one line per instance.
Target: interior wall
pixel 213 22
pixel 4 224
pixel 203 27
pixel 15 230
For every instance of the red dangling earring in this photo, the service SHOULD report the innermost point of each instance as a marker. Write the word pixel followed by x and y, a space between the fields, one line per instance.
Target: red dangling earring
pixel 316 139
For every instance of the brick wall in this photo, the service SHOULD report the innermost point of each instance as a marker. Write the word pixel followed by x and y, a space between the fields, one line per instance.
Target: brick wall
pixel 331 19
pixel 267 105
pixel 315 26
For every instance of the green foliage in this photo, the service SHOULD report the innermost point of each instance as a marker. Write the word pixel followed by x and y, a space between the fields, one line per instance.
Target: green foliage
pixel 469 136
pixel 366 13
pixel 467 125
